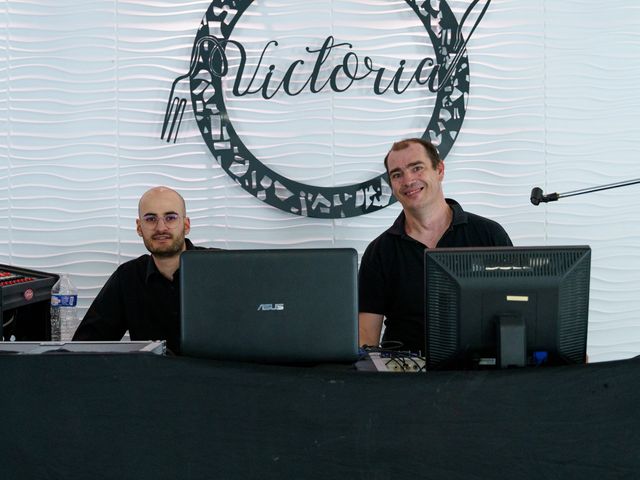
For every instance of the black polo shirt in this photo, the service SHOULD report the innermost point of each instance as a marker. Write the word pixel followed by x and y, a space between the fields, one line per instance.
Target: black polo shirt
pixel 137 298
pixel 391 277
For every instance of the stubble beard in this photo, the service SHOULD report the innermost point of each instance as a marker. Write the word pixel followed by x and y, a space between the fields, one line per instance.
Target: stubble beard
pixel 174 248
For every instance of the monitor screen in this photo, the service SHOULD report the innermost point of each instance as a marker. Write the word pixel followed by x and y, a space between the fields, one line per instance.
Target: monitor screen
pixel 506 306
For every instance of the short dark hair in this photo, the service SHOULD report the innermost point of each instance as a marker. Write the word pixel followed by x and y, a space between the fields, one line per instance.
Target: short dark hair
pixel 432 151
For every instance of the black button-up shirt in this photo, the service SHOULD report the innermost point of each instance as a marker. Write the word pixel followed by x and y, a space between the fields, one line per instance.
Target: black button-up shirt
pixel 137 298
pixel 391 277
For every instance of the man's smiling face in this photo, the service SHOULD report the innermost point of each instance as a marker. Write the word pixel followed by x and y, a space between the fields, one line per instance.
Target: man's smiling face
pixel 162 233
pixel 414 181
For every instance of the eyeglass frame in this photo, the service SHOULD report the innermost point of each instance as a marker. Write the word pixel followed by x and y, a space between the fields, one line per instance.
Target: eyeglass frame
pixel 151 220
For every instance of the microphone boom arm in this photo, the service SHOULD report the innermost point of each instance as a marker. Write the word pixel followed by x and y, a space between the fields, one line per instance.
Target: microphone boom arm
pixel 537 195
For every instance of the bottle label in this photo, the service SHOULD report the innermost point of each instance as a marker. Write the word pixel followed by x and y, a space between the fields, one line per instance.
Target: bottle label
pixel 64 300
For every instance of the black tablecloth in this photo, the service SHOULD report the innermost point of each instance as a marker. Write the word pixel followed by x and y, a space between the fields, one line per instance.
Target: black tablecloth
pixel 67 416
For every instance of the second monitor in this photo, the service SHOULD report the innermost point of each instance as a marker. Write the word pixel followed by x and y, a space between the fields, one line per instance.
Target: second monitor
pixel 506 306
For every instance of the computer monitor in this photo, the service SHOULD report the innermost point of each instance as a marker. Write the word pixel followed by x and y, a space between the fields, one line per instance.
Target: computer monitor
pixel 506 306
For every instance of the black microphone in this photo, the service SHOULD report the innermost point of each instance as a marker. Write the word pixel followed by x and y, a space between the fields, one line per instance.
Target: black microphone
pixel 537 196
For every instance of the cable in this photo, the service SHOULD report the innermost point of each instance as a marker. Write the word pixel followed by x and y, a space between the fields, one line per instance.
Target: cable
pixel 395 360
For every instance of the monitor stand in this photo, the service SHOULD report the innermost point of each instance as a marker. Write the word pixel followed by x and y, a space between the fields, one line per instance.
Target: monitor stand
pixel 512 341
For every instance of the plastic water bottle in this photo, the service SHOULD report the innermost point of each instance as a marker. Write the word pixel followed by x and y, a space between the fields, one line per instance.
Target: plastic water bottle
pixel 64 316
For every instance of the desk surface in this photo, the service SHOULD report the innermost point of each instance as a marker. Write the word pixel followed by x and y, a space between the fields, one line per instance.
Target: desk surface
pixel 148 416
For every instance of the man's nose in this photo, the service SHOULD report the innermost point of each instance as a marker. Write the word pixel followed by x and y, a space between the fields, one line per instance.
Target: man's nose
pixel 409 178
pixel 161 225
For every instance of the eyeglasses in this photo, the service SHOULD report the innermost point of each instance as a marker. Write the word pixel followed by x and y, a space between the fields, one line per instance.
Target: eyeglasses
pixel 170 220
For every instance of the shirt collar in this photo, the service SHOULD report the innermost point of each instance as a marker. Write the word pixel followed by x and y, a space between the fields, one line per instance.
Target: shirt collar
pixel 151 265
pixel 459 218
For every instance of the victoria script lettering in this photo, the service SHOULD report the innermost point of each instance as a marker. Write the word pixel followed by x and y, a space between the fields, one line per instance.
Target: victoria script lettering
pixel 343 75
pixel 329 65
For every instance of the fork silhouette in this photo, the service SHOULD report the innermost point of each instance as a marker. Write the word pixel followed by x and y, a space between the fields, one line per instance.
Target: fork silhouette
pixel 177 104
pixel 460 43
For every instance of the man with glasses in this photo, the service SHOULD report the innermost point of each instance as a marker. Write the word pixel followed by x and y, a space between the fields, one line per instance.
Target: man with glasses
pixel 142 295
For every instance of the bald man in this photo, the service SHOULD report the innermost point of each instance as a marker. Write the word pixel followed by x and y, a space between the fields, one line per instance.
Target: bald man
pixel 142 295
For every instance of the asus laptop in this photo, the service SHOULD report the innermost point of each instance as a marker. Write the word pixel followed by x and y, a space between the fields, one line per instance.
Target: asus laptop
pixel 272 306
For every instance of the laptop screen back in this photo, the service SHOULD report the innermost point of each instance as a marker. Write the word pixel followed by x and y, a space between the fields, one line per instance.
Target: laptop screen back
pixel 284 306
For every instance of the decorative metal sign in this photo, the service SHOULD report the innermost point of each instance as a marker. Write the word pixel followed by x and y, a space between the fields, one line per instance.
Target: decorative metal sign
pixel 446 76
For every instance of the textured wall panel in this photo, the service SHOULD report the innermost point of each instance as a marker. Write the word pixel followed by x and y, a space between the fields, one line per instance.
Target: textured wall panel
pixel 592 133
pixel 5 168
pixel 553 103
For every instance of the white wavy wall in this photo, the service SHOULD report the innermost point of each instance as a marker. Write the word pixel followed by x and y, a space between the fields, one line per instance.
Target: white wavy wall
pixel 553 103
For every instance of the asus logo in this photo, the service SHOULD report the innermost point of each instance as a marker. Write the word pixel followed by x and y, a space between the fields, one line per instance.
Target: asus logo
pixel 270 306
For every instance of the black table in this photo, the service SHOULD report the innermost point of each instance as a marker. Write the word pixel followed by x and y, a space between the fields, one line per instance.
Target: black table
pixel 145 416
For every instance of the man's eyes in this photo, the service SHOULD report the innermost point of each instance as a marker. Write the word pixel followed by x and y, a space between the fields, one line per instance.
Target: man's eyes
pixel 169 218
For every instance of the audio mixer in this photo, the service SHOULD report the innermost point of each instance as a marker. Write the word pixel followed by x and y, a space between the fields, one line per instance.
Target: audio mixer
pixel 24 303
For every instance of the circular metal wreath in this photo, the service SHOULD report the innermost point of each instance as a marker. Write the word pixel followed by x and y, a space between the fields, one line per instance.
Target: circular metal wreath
pixel 279 191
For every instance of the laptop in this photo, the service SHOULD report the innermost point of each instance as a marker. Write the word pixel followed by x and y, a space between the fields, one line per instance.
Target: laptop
pixel 271 306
